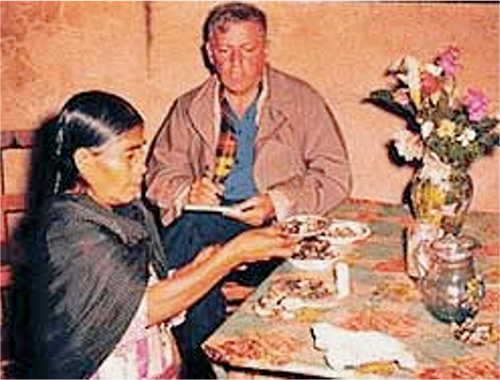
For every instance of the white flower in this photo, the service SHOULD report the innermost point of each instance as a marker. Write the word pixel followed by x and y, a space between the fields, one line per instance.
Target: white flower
pixel 467 136
pixel 433 69
pixel 413 77
pixel 403 78
pixel 426 129
pixel 408 145
pixel 436 171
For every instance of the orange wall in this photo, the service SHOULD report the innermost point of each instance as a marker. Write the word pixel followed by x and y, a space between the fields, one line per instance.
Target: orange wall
pixel 149 52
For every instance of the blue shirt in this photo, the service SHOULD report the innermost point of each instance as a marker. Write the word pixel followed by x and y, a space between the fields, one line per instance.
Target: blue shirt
pixel 240 184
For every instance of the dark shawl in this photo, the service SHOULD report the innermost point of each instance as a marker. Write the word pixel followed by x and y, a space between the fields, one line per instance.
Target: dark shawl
pixel 89 270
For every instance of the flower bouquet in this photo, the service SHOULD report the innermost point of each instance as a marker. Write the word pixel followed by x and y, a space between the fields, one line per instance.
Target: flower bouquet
pixel 445 133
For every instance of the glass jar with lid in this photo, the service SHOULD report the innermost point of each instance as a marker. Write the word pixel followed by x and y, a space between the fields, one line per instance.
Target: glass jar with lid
pixel 451 289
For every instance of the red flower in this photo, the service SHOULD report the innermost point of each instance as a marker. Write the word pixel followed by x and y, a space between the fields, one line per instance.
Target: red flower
pixel 429 84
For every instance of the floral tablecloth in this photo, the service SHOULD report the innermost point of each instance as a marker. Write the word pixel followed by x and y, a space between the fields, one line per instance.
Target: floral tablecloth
pixel 382 298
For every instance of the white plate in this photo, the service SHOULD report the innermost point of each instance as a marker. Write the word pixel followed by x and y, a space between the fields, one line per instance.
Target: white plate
pixel 341 232
pixel 305 225
pixel 312 265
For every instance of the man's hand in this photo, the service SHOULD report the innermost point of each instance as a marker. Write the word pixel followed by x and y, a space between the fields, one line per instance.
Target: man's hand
pixel 205 192
pixel 254 211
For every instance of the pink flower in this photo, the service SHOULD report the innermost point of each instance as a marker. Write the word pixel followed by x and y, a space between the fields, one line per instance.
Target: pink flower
pixel 447 60
pixel 476 103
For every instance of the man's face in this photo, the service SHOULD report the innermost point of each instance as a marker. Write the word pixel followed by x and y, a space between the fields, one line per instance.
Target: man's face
pixel 239 56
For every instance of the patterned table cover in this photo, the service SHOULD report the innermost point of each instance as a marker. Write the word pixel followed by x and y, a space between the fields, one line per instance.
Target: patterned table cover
pixel 382 298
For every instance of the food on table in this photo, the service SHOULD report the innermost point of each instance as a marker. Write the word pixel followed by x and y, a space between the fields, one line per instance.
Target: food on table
pixel 341 231
pixel 315 248
pixel 314 254
pixel 305 288
pixel 304 225
pixel 473 333
pixel 288 294
pixel 345 232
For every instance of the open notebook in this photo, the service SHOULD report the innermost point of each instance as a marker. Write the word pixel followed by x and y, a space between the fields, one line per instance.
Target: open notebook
pixel 208 208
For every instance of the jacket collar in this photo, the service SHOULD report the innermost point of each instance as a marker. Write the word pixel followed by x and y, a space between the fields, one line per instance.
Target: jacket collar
pixel 205 106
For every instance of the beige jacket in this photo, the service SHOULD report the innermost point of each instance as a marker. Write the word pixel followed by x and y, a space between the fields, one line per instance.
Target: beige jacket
pixel 300 157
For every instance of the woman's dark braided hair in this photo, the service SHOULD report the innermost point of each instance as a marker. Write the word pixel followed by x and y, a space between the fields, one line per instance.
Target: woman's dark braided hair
pixel 88 119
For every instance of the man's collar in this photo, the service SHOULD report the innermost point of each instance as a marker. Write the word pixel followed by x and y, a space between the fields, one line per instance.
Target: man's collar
pixel 226 107
pixel 206 106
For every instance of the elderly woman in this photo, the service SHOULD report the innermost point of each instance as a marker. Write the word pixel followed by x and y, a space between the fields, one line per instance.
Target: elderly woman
pixel 99 288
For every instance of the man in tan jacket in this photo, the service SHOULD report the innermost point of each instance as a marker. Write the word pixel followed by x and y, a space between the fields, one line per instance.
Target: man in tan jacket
pixel 251 137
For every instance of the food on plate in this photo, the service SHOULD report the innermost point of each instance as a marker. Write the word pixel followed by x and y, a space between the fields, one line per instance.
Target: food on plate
pixel 314 254
pixel 341 231
pixel 305 288
pixel 288 294
pixel 304 225
pixel 315 248
pixel 345 232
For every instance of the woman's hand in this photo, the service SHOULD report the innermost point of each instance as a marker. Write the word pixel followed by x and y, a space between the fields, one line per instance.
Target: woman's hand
pixel 259 244
pixel 170 296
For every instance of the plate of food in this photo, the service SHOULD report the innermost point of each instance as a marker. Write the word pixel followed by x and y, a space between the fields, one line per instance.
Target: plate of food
pixel 314 254
pixel 292 292
pixel 341 232
pixel 305 225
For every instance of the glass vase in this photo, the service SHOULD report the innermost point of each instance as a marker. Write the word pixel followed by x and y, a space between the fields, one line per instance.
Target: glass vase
pixel 441 194
pixel 451 288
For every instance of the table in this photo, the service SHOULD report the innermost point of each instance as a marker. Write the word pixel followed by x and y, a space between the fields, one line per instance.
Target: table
pixel 382 298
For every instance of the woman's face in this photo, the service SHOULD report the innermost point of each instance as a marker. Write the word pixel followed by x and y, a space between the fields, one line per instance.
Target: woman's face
pixel 114 171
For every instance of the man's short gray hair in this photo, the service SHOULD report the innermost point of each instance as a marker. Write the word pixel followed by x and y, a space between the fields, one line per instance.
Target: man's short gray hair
pixel 220 16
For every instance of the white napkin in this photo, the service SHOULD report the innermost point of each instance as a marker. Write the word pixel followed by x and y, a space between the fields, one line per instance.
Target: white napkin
pixel 345 348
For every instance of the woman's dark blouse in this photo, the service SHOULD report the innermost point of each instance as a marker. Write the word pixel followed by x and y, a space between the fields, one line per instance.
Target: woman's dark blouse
pixel 88 275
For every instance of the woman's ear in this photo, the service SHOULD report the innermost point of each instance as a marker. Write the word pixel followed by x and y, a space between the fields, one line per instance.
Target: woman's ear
pixel 84 161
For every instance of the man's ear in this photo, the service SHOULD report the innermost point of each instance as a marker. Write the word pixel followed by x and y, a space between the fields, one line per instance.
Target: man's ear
pixel 84 160
pixel 209 54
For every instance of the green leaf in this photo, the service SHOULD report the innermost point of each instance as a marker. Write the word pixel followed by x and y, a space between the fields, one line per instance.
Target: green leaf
pixel 485 125
pixel 385 100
